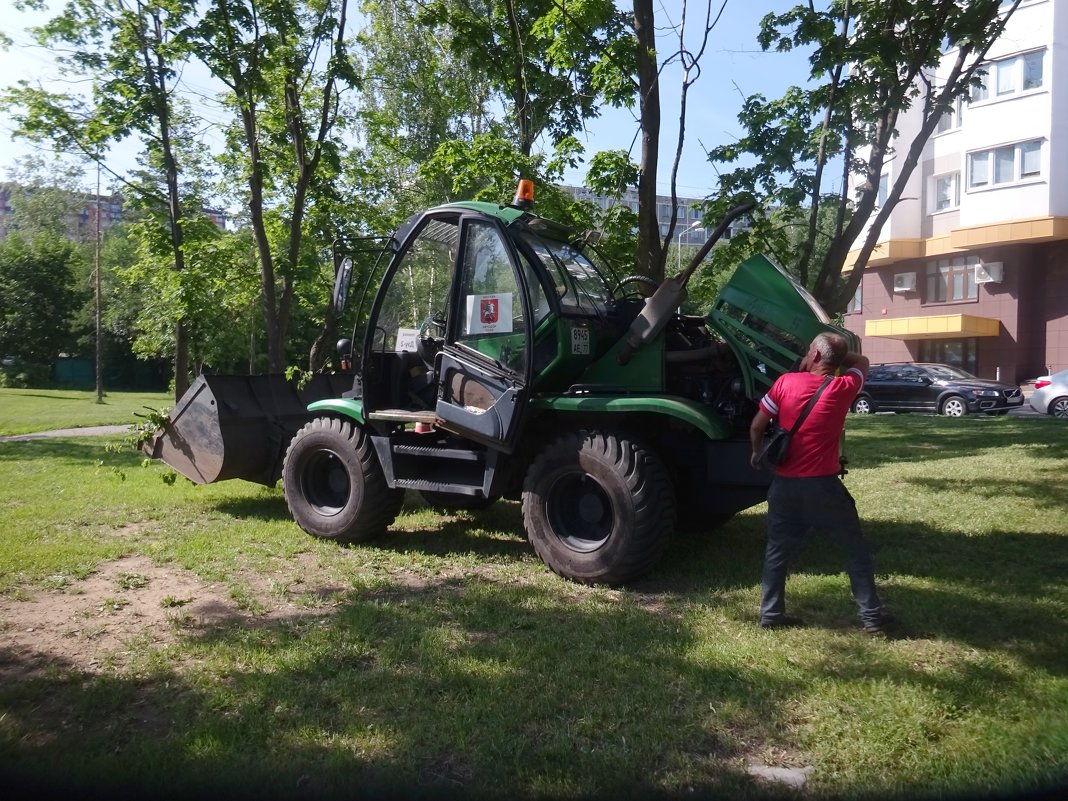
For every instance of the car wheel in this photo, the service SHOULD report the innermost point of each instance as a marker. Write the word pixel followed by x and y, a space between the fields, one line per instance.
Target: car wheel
pixel 598 507
pixel 863 405
pixel 1059 407
pixel 954 406
pixel 333 484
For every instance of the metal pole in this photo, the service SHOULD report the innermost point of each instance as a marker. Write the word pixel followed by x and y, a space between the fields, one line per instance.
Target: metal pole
pixel 99 326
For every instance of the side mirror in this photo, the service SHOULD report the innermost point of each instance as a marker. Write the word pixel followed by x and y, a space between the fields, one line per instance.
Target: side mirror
pixel 344 352
pixel 341 284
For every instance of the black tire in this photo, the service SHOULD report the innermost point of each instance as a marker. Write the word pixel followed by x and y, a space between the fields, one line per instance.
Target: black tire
pixel 1058 407
pixel 863 405
pixel 598 507
pixel 333 483
pixel 953 406
pixel 451 501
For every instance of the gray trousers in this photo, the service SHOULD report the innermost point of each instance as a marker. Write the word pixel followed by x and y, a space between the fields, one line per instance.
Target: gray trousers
pixel 796 505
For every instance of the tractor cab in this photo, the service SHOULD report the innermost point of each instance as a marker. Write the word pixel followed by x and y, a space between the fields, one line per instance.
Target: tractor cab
pixel 479 305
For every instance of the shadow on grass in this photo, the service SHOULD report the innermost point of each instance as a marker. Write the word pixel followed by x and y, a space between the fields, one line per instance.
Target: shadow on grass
pixel 497 691
pixel 500 691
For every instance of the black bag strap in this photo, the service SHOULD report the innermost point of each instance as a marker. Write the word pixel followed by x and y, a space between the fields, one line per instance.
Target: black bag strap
pixel 808 406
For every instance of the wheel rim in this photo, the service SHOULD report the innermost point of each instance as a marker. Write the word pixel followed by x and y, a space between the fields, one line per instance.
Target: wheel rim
pixel 325 483
pixel 1059 407
pixel 862 406
pixel 580 512
pixel 953 407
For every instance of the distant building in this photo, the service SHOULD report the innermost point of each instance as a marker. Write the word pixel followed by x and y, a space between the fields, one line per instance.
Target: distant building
pixel 688 228
pixel 83 217
pixel 972 265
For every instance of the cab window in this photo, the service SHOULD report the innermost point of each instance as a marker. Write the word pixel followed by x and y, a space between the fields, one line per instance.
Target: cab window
pixel 492 320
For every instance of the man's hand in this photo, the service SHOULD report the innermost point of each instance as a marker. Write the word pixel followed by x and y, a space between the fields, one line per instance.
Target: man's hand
pixel 761 421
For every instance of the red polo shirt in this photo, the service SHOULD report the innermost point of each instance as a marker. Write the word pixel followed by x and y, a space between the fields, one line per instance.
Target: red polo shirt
pixel 814 448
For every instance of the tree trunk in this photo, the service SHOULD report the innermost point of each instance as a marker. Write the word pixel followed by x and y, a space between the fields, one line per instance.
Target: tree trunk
pixel 650 253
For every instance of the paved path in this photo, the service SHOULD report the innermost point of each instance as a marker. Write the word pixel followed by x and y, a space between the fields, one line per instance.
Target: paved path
pixel 85 431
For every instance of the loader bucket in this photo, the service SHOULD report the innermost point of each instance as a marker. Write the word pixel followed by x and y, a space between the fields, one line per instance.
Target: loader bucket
pixel 231 426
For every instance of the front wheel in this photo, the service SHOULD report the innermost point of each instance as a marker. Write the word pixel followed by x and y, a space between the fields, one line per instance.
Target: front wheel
pixel 1058 407
pixel 863 405
pixel 333 483
pixel 954 406
pixel 598 507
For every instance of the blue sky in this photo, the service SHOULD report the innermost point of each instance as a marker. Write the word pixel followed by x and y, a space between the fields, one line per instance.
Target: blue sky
pixel 733 67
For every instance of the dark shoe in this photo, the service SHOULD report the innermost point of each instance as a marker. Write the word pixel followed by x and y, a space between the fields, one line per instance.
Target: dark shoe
pixel 784 622
pixel 883 624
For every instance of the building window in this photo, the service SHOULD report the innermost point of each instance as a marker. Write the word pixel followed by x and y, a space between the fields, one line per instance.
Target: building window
pixel 663 211
pixel 947 191
pixel 884 190
pixel 951 280
pixel 962 353
pixel 1005 165
pixel 1030 158
pixel 1009 76
pixel 855 303
pixel 951 118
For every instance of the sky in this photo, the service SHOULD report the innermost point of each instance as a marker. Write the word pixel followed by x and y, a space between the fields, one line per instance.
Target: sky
pixel 732 68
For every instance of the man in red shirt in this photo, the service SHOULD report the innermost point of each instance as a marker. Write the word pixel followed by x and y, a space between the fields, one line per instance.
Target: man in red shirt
pixel 807 491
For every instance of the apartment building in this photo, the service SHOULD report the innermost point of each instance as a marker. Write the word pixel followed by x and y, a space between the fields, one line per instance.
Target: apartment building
pixel 689 230
pixel 84 211
pixel 972 266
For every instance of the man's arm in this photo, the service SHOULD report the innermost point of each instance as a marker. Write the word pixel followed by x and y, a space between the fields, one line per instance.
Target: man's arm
pixel 761 421
pixel 857 360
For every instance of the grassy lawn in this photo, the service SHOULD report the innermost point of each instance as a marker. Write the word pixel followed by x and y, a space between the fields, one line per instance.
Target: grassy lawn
pixel 445 659
pixel 24 411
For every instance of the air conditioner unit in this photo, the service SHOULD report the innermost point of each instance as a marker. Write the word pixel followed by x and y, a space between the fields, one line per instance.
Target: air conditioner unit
pixel 988 272
pixel 905 282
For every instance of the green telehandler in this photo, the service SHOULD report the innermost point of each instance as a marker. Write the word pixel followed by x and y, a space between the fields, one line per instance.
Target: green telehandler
pixel 502 358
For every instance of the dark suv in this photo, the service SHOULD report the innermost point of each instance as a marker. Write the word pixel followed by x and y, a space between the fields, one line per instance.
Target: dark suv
pixel 935 388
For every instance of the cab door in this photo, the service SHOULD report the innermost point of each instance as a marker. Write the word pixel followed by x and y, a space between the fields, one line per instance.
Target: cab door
pixel 483 368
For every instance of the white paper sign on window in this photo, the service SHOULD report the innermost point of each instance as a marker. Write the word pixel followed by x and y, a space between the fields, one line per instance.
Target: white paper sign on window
pixel 489 314
pixel 407 338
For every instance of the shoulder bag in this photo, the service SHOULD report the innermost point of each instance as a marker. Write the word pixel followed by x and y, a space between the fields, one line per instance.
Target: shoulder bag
pixel 777 439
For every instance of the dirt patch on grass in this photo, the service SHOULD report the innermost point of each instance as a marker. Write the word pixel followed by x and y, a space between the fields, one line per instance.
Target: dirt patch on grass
pixel 106 619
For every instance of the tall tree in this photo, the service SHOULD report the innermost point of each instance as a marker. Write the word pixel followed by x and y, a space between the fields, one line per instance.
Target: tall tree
pixel 284 64
pixel 38 296
pixel 131 52
pixel 871 62
pixel 541 56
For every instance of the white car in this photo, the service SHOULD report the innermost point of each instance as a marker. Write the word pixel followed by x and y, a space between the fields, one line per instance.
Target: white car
pixel 1051 394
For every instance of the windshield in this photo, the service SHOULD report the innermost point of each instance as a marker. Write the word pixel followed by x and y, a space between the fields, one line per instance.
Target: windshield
pixel 579 285
pixel 946 371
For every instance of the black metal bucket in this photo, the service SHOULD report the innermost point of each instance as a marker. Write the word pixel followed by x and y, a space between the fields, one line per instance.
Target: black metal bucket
pixel 231 426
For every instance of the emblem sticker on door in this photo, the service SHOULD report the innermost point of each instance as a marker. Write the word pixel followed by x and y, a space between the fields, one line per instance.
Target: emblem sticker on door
pixel 489 314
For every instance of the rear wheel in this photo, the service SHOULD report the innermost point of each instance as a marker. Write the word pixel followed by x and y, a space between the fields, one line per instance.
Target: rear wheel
pixel 954 406
pixel 1059 407
pixel 598 507
pixel 863 405
pixel 333 483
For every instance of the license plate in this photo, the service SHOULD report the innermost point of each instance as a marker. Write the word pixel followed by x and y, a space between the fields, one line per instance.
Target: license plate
pixel 580 342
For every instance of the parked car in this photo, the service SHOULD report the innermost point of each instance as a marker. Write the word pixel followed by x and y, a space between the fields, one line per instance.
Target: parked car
pixel 934 388
pixel 1051 394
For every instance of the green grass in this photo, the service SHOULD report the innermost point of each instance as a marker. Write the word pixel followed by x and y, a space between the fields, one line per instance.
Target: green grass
pixel 24 411
pixel 446 659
